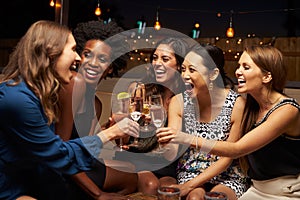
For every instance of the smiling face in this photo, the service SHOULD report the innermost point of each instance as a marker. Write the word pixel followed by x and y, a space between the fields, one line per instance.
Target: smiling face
pixel 249 75
pixel 164 64
pixel 195 74
pixel 67 60
pixel 95 61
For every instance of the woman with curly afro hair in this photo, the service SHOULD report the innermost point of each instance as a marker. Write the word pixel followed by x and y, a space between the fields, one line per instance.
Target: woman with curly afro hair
pixel 103 52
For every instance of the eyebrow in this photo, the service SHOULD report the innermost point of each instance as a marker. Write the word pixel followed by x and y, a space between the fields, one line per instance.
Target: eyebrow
pixel 166 56
pixel 191 65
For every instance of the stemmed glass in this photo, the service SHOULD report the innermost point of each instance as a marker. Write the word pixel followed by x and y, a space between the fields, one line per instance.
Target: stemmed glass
pixel 120 110
pixel 146 114
pixel 158 114
pixel 136 107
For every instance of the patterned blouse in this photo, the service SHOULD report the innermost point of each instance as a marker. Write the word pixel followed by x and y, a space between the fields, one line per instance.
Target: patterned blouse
pixel 193 162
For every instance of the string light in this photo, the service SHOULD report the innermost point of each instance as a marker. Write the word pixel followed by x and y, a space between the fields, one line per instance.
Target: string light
pixel 157 25
pixel 230 30
pixel 52 3
pixel 196 30
pixel 98 10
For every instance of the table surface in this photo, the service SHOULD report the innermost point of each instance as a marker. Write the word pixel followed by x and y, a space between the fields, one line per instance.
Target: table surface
pixel 141 196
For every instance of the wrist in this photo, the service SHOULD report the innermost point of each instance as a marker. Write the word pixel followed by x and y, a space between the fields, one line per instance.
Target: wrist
pixel 188 139
pixel 207 145
pixel 104 136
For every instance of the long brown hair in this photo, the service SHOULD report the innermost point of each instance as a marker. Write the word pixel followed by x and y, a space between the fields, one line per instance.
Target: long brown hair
pixel 34 60
pixel 268 59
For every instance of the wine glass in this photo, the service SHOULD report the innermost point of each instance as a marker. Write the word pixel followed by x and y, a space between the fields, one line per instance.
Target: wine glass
pixel 158 114
pixel 135 110
pixel 120 110
pixel 146 114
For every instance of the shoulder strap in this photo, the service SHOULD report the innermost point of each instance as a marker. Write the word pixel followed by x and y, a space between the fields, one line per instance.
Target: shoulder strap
pixel 283 102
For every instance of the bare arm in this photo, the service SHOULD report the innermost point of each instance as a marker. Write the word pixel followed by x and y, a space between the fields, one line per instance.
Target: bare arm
pixel 70 98
pixel 175 111
pixel 224 162
pixel 95 122
pixel 283 120
pixel 70 101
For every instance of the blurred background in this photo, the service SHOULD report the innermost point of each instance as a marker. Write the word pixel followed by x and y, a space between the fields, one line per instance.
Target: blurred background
pixel 229 24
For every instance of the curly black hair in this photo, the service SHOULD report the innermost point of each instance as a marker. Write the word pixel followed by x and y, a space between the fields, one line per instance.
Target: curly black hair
pixel 108 32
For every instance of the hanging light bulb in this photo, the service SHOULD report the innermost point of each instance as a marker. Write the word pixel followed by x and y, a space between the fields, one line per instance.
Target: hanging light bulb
pixel 52 3
pixel 98 10
pixel 230 30
pixel 157 25
pixel 196 30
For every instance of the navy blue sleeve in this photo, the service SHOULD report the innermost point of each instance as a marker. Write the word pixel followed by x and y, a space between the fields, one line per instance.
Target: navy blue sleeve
pixel 24 132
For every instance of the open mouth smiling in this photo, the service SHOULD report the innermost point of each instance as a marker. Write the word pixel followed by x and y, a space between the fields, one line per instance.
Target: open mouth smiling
pixel 160 71
pixel 241 82
pixel 92 73
pixel 189 88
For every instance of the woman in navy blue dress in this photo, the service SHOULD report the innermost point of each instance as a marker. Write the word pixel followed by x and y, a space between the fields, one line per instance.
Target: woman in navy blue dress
pixel 40 63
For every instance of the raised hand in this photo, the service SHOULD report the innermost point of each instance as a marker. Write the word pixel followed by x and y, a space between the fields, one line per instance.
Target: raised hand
pixel 128 127
pixel 170 135
pixel 121 129
pixel 184 188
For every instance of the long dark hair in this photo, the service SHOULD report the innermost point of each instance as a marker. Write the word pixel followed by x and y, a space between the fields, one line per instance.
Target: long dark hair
pixel 180 48
pixel 217 55
pixel 213 57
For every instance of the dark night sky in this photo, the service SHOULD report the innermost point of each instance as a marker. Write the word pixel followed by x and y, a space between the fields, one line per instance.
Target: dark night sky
pixel 265 18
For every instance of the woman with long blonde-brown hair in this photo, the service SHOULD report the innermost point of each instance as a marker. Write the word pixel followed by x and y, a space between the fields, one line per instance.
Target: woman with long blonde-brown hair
pixel 31 152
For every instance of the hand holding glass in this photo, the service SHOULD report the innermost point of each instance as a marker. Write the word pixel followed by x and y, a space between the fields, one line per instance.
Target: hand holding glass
pixel 135 110
pixel 120 111
pixel 146 114
pixel 158 114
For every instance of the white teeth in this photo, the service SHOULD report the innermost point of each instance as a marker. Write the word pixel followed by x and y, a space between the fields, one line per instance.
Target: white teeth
pixel 241 81
pixel 158 71
pixel 91 72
